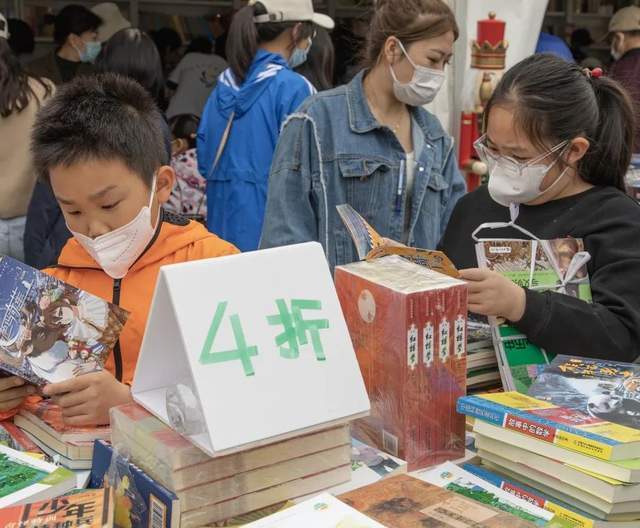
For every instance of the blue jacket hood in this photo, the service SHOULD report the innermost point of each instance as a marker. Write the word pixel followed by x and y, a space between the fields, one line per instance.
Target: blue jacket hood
pixel 232 97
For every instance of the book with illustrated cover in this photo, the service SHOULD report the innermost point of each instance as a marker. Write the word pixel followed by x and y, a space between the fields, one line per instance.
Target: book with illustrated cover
pixel 323 511
pixel 408 327
pixel 46 416
pixel 24 478
pixel 546 422
pixel 407 502
pixel 575 517
pixel 548 265
pixel 88 509
pixel 370 245
pixel 454 478
pixel 608 390
pixel 13 437
pixel 49 330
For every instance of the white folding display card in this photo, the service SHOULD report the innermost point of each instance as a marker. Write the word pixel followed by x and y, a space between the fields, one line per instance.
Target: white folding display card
pixel 259 340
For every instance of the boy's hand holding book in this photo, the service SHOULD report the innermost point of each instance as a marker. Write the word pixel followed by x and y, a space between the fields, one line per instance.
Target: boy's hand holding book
pixel 13 391
pixel 86 400
pixel 494 295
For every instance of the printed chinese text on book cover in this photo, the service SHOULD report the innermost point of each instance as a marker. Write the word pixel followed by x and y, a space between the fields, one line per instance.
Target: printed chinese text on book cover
pixel 50 331
pixel 408 326
pixel 607 390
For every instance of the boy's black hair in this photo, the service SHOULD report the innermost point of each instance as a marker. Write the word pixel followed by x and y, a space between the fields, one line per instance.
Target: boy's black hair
pixel 74 19
pixel 102 117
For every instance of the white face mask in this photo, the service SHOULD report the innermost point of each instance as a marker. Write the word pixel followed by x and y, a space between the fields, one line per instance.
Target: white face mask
pixel 511 182
pixel 423 87
pixel 116 251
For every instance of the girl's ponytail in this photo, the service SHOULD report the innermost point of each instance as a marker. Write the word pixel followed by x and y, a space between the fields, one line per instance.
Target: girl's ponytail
pixel 608 159
pixel 242 43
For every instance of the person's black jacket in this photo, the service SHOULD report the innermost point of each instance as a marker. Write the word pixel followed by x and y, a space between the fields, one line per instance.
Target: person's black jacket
pixel 46 232
pixel 608 222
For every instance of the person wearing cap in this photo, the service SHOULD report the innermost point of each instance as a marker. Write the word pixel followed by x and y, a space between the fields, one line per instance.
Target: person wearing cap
pixel 242 119
pixel 20 98
pixel 76 38
pixel 112 20
pixel 624 34
pixel 371 144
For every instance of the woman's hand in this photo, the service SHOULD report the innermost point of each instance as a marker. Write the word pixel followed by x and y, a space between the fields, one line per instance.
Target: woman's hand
pixel 494 295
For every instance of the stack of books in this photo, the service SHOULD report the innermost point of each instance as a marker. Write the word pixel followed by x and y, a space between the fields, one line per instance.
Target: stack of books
pixel 482 364
pixel 570 457
pixel 71 447
pixel 215 489
pixel 408 327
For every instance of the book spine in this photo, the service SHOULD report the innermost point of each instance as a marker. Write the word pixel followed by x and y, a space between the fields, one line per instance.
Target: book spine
pixel 537 427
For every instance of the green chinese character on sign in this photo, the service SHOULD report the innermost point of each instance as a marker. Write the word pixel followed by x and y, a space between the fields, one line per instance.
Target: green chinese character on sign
pixel 296 330
pixel 243 353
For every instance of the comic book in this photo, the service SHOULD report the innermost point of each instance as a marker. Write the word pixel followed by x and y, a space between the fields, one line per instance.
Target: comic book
pixel 607 390
pixel 49 330
pixel 547 265
pixel 370 245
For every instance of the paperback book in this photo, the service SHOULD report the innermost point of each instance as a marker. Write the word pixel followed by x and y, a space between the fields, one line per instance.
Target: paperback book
pixel 549 265
pixel 24 478
pixel 543 421
pixel 88 509
pixel 606 390
pixel 13 437
pixel 370 245
pixel 49 330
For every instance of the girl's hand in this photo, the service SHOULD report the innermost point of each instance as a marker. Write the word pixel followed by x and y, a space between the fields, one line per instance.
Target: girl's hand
pixel 494 295
pixel 13 391
pixel 87 399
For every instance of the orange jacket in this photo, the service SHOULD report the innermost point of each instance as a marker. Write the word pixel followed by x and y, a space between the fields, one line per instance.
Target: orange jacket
pixel 178 240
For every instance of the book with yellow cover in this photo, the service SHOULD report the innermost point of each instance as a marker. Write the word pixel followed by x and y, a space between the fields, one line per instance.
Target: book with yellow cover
pixel 556 425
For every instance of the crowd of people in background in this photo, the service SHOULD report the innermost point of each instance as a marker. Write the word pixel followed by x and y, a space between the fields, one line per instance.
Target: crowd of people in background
pixel 243 131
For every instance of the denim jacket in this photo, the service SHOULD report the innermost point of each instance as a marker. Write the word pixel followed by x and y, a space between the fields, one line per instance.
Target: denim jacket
pixel 333 151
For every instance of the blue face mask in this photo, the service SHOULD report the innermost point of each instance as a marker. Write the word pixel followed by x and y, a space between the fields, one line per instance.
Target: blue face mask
pixel 299 56
pixel 91 51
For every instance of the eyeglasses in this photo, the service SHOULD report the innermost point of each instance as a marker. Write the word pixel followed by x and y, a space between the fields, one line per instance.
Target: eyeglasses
pixel 491 157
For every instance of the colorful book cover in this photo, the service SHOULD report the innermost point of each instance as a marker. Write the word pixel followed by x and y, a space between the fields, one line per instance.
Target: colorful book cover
pixel 48 416
pixel 324 511
pixel 88 509
pixel 607 390
pixel 139 500
pixel 408 327
pixel 23 477
pixel 407 502
pixel 454 478
pixel 50 331
pixel 11 436
pixel 548 265
pixel 561 510
pixel 370 245
pixel 556 425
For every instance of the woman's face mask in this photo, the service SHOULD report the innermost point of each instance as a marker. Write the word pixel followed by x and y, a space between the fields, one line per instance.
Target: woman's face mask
pixel 514 182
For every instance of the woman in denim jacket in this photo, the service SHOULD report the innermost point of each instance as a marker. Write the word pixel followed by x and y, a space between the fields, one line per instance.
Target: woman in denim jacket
pixel 370 144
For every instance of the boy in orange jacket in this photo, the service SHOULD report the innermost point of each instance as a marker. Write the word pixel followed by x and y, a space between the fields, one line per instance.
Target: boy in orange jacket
pixel 100 143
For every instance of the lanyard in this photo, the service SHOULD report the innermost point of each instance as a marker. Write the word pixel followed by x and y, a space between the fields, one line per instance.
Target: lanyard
pixel 514 211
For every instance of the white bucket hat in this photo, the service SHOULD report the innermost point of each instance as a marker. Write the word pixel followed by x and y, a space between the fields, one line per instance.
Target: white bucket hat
pixel 112 20
pixel 291 11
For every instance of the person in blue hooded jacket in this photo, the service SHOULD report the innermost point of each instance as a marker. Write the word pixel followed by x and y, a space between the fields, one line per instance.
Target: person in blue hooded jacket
pixel 241 122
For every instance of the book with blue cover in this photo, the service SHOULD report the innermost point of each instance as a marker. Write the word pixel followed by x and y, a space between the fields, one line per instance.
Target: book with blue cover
pixel 140 501
pixel 51 331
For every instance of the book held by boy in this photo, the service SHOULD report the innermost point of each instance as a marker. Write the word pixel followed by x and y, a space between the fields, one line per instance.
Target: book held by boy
pixel 51 331
pixel 541 265
pixel 87 509
pixel 408 325
pixel 281 354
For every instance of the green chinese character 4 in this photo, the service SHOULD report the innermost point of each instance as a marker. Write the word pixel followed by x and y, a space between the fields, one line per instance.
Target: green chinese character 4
pixel 297 331
pixel 243 353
